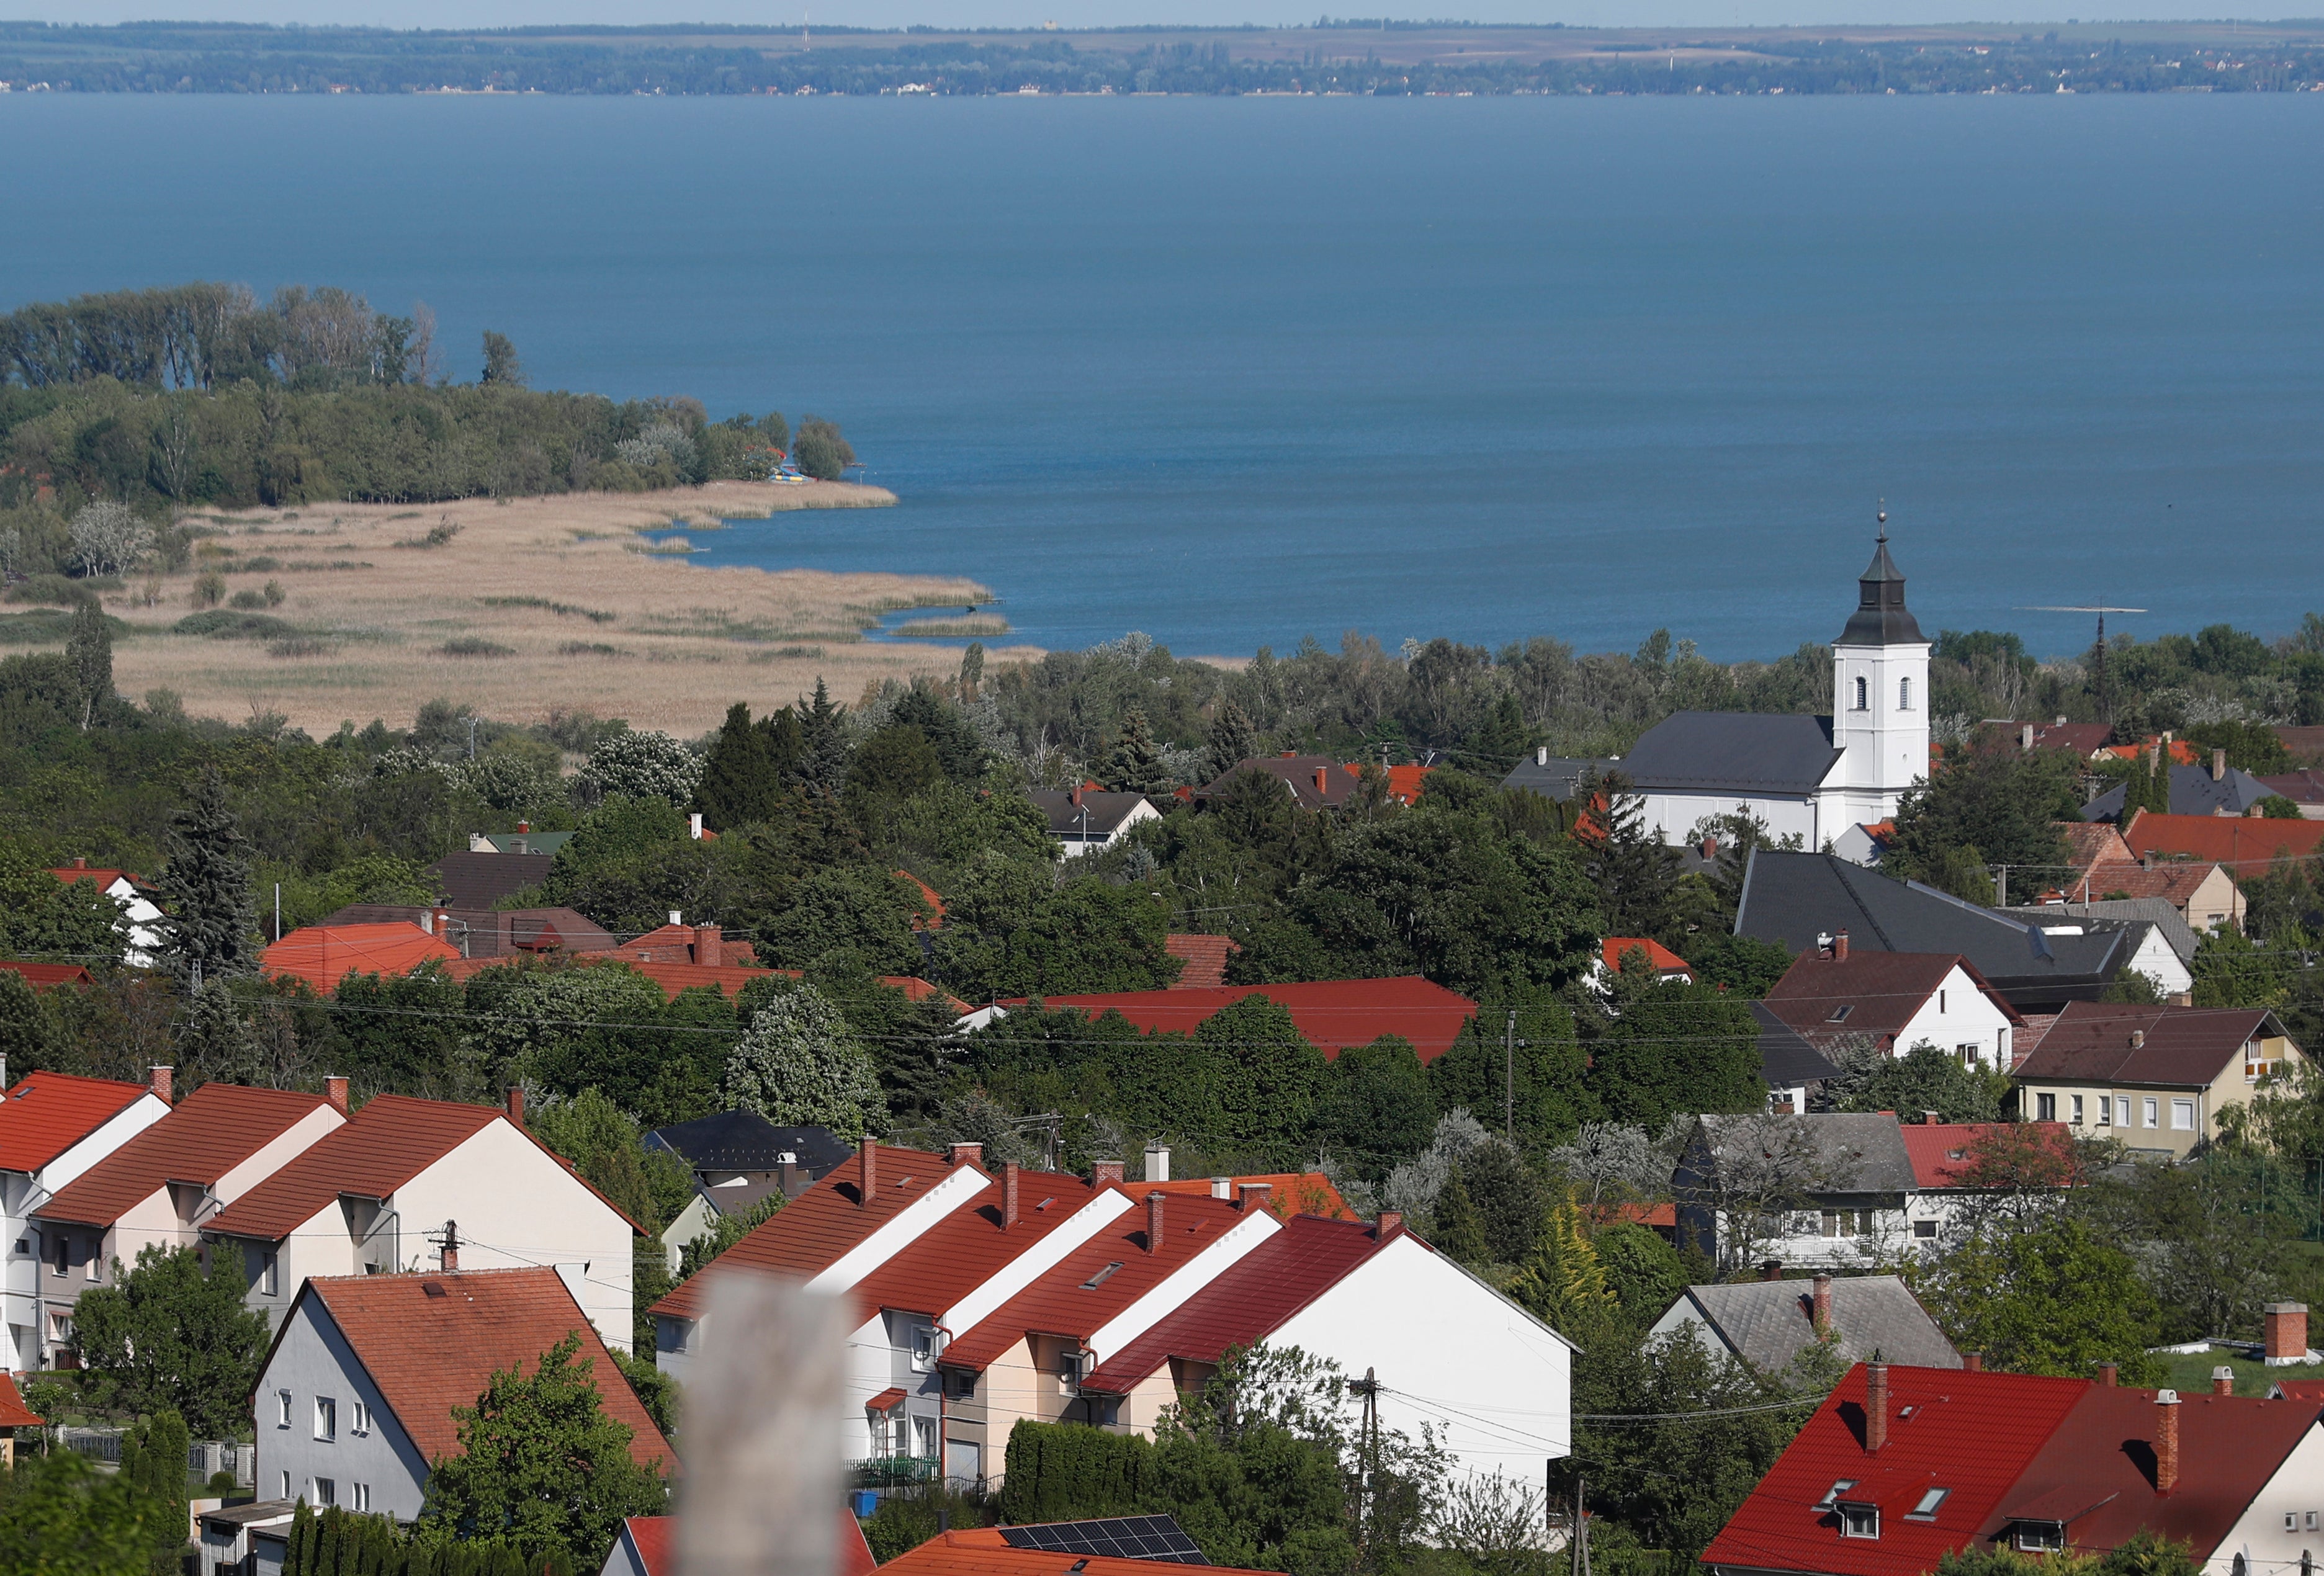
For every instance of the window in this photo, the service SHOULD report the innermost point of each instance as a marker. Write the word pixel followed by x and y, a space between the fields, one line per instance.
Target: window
pixel 1860 1521
pixel 2045 1108
pixel 2037 1537
pixel 1904 695
pixel 2183 1115
pixel 282 1405
pixel 2151 1119
pixel 924 1348
pixel 95 1264
pixel 1862 704
pixel 60 1252
pixel 327 1418
pixel 2291 1521
pixel 2122 1111
pixel 326 1491
pixel 1924 1230
pixel 2077 1117
pixel 924 1438
pixel 963 1383
pixel 1926 1510
pixel 361 1500
pixel 1940 1000
pixel 2105 1111
pixel 270 1275
pixel 1839 1014
pixel 2310 1521
pixel 358 1417
pixel 1834 1492
pixel 1970 1053
pixel 1847 1222
pixel 286 1487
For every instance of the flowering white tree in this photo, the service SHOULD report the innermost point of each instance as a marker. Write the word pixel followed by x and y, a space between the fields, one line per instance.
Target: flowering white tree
pixel 108 538
pixel 799 1064
pixel 639 763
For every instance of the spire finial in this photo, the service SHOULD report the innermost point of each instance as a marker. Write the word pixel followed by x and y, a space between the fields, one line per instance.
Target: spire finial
pixel 1883 517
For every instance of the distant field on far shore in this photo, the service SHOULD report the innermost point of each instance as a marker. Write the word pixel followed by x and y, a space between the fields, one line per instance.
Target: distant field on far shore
pixel 518 608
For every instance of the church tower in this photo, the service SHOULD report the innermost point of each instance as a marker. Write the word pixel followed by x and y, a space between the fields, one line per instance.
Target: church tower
pixel 1880 695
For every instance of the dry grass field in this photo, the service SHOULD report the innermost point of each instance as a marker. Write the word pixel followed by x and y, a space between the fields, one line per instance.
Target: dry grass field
pixel 520 608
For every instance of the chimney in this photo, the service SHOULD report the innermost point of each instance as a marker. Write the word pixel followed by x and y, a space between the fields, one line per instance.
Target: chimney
pixel 1074 799
pixel 1822 1303
pixel 524 825
pixel 2285 1327
pixel 1839 947
pixel 2219 766
pixel 694 826
pixel 1154 1223
pixel 451 1252
pixel 1931 1118
pixel 2061 721
pixel 677 917
pixel 1157 1162
pixel 1008 1175
pixel 1253 1195
pixel 1972 1362
pixel 1771 1269
pixel 1541 755
pixel 787 1174
pixel 1709 848
pixel 516 1103
pixel 160 1080
pixel 1107 1173
pixel 1222 1187
pixel 1389 1223
pixel 80 861
pixel 439 922
pixel 2108 1374
pixel 335 1090
pixel 2166 1440
pixel 1320 789
pixel 1876 1406
pixel 2223 1380
pixel 867 1172
pixel 709 945
pixel 963 1154
pixel 2137 1039
pixel 2026 737
pixel 2183 998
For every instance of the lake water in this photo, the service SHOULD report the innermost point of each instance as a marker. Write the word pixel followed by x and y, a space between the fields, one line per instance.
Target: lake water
pixel 1234 372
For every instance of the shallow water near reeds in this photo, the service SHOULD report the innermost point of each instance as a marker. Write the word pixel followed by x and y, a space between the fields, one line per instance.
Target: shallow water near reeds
pixel 1234 372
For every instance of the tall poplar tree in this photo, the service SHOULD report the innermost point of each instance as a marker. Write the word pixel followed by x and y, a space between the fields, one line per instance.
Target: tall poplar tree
pixel 89 649
pixel 213 928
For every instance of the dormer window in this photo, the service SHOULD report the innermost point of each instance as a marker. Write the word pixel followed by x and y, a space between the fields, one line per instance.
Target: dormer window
pixel 2041 1537
pixel 1860 1521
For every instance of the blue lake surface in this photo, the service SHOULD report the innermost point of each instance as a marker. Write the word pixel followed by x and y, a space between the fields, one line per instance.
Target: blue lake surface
pixel 1234 372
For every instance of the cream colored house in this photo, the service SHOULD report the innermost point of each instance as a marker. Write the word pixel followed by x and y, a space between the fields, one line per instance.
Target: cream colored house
pixel 2157 1079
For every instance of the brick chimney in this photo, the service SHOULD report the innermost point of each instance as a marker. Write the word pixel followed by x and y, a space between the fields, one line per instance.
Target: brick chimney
pixel 867 1172
pixel 2108 1374
pixel 1252 1195
pixel 1972 1362
pixel 1074 799
pixel 2219 766
pixel 1771 1269
pixel 2285 1326
pixel 1154 1223
pixel 1839 946
pixel 709 945
pixel 335 1090
pixel 2223 1380
pixel 1821 1303
pixel 516 1103
pixel 440 922
pixel 80 861
pixel 1320 788
pixel 1389 1223
pixel 1008 1175
pixel 963 1154
pixel 1106 1172
pixel 2166 1440
pixel 162 1079
pixel 1710 849
pixel 1876 1406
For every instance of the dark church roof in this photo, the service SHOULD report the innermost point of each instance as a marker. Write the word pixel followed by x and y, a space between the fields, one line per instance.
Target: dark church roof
pixel 1881 618
pixel 1737 753
pixel 744 1141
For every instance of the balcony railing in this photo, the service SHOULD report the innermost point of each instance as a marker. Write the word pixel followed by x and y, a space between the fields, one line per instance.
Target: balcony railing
pixel 892 1471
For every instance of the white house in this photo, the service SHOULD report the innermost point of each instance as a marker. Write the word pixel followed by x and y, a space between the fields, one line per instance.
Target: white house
pixel 1838 1001
pixel 1812 778
pixel 356 1396
pixel 1086 819
pixel 53 1127
pixel 158 1189
pixel 140 916
pixel 408 1185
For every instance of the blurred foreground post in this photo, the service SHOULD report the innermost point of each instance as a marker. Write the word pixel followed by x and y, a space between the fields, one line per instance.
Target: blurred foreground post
pixel 760 1494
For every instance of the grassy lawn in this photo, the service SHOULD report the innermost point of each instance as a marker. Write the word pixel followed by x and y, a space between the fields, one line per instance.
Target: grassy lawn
pixel 2253 1378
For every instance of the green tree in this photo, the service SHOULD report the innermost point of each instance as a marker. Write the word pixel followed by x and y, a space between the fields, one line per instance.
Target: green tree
pixel 1376 1109
pixel 1456 1227
pixel 739 782
pixel 2002 804
pixel 820 451
pixel 1631 869
pixel 166 1337
pixel 1747 967
pixel 24 1028
pixel 823 763
pixel 1675 1048
pixel 607 1147
pixel 1233 740
pixel 1535 1086
pixel 1562 1280
pixel 1924 1078
pixel 153 1458
pixel 862 912
pixel 212 931
pixel 799 1064
pixel 896 762
pixel 542 1465
pixel 1010 930
pixel 1134 763
pixel 1511 1203
pixel 213 1044
pixel 61 1517
pixel 1273 1078
pixel 89 649
pixel 502 367
pixel 42 916
pixel 2054 1299
pixel 1645 1273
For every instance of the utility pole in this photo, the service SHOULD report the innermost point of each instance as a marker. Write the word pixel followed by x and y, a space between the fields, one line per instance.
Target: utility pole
pixel 1368 1387
pixel 1509 1080
pixel 1579 1535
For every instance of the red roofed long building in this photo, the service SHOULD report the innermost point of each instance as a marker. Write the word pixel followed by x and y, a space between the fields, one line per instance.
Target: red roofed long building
pixel 1901 1466
pixel 382 1194
pixel 324 955
pixel 1332 1014
pixel 53 1127
pixel 2246 845
pixel 157 1189
pixel 356 1402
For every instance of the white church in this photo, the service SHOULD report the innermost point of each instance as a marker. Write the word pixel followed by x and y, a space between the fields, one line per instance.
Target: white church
pixel 1818 778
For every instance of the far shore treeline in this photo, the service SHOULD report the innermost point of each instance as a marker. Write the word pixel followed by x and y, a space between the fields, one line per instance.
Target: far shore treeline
pixel 202 394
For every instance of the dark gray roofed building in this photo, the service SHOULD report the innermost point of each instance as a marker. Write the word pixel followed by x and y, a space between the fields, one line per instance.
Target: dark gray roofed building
pixel 745 1141
pixel 479 881
pixel 1555 777
pixel 1737 753
pixel 1792 1067
pixel 2194 791
pixel 1086 818
pixel 492 933
pixel 1768 1323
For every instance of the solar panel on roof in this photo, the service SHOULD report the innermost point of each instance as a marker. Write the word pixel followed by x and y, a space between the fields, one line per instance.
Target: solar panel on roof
pixel 1122 1537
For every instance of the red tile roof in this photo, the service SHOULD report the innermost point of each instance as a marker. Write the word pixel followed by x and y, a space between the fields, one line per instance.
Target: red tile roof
pixel 70 873
pixel 2248 845
pixel 2173 881
pixel 431 1342
pixel 928 896
pixel 2182 752
pixel 677 943
pixel 1406 783
pixel 2083 739
pixel 47 976
pixel 968 1247
pixel 1652 1215
pixel 813 1231
pixel 1660 958
pixel 655 1538
pixel 2304 1390
pixel 984 1552
pixel 1942 1152
pixel 14 1413
pixel 2090 842
pixel 2189 1046
pixel 1880 992
pixel 1063 1302
pixel 47 1114
pixel 210 1132
pixel 1289 1192
pixel 391 1140
pixel 1333 1014
pixel 1250 1300
pixel 1204 957
pixel 325 954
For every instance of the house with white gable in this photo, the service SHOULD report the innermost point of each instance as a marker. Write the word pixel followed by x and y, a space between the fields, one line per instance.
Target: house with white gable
pixel 1838 999
pixel 408 1185
pixel 1809 777
pixel 54 1127
pixel 140 914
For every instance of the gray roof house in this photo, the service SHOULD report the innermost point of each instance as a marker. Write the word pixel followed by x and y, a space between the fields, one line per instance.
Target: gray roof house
pixel 739 1158
pixel 2217 789
pixel 1086 818
pixel 1793 899
pixel 1790 1065
pixel 1825 1187
pixel 1769 1322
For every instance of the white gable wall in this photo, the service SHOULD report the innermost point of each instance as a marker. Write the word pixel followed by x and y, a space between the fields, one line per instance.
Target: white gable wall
pixel 22 1317
pixel 1958 1014
pixel 2259 1534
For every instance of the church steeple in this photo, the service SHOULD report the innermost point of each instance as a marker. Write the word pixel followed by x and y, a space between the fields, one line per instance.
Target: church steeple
pixel 1881 617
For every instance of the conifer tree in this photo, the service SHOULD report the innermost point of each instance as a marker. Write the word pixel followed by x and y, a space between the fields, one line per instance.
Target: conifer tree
pixel 824 762
pixel 1134 765
pixel 1562 1280
pixel 89 649
pixel 154 1457
pixel 213 928
pixel 1459 1231
pixel 213 1044
pixel 738 785
pixel 1232 742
